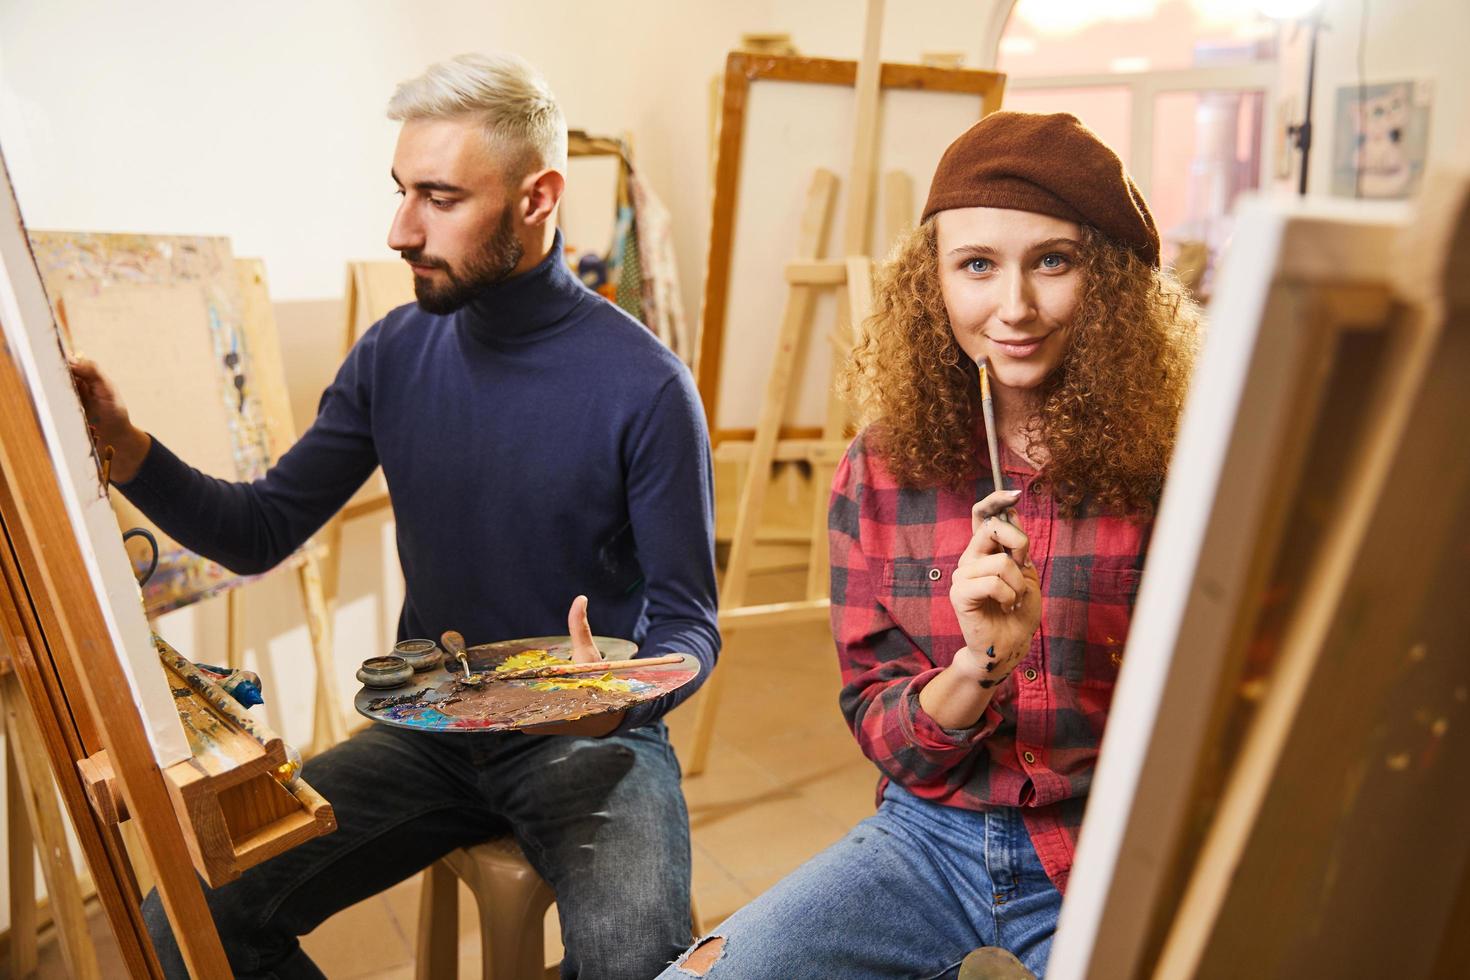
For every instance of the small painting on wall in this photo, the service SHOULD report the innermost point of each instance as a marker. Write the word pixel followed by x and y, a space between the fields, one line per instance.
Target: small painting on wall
pixel 1380 138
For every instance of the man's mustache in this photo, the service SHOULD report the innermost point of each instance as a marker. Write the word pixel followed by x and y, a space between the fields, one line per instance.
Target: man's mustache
pixel 417 257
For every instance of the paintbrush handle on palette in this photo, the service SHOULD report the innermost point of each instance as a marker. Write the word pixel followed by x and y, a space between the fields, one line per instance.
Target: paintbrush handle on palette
pixel 454 644
pixel 596 667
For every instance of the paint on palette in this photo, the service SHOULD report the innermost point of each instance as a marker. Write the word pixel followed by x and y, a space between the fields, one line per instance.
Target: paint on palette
pixel 439 701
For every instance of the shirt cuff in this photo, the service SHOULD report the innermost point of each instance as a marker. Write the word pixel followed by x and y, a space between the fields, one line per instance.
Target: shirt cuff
pixel 158 481
pixel 158 465
pixel 927 734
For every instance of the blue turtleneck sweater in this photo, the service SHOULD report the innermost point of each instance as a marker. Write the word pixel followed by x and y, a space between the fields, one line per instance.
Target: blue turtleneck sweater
pixel 538 444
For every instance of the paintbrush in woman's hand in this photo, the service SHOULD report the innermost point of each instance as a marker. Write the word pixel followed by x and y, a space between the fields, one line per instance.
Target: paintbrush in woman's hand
pixel 992 438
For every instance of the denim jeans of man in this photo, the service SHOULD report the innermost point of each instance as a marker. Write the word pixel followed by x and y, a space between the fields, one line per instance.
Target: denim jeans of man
pixel 603 820
pixel 907 893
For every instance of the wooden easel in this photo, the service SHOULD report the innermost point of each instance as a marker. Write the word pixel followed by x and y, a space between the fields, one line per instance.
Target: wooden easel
pixel 67 637
pixel 374 288
pixel 34 826
pixel 804 276
pixel 329 725
pixel 808 272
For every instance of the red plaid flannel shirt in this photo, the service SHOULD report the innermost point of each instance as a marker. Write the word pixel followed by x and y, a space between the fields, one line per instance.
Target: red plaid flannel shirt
pixel 893 552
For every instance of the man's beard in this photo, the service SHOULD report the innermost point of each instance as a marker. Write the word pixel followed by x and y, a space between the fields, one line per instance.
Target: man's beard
pixel 495 261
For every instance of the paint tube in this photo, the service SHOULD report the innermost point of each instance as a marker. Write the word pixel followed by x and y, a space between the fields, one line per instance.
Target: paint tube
pixel 242 685
pixel 288 772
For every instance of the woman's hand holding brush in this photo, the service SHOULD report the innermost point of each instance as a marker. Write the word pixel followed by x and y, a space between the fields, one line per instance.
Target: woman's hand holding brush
pixel 996 591
pixel 996 594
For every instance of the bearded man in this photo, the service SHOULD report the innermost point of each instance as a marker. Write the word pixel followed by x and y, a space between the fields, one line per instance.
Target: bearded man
pixel 541 449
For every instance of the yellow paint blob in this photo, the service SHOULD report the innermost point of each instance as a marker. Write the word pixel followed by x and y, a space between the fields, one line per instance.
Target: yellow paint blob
pixel 528 659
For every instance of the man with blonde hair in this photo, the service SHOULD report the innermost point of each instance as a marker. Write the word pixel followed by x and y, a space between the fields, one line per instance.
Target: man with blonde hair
pixel 543 450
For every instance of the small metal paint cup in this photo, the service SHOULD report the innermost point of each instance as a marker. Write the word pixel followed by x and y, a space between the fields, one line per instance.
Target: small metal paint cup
pixel 420 654
pixel 384 672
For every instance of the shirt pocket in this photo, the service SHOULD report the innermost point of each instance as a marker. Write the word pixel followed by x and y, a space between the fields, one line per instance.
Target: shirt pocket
pixel 915 591
pixel 1111 594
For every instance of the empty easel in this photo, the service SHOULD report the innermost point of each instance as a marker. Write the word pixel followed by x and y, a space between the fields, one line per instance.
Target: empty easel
pixel 809 272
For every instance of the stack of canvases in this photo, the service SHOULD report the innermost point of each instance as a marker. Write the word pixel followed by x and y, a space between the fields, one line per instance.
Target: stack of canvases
pixel 640 275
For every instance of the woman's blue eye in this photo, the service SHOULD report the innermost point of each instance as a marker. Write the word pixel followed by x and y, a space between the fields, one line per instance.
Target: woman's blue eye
pixel 1053 260
pixel 977 265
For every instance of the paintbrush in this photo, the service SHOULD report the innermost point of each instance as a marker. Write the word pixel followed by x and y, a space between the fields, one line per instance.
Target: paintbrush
pixel 595 667
pixel 992 439
pixel 454 643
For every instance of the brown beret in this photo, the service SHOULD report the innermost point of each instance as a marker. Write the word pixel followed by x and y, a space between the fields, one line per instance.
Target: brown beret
pixel 1049 164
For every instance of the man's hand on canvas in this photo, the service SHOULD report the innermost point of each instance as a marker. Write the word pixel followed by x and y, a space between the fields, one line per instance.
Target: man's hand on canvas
pixel 108 419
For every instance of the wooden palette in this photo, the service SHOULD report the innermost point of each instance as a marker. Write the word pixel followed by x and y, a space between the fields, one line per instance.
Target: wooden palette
pixel 433 700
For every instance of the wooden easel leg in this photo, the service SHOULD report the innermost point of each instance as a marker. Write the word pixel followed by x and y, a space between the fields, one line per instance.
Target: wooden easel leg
pixel 235 616
pixel 328 726
pixel 704 719
pixel 23 744
pixel 330 538
pixel 898 206
pixel 128 839
pixel 799 298
pixel 854 306
pixel 21 845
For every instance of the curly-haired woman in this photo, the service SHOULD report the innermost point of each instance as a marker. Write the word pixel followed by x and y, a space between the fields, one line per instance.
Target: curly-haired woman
pixel 978 652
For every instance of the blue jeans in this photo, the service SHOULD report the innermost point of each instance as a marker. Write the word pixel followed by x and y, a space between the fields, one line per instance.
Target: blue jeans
pixel 602 820
pixel 907 893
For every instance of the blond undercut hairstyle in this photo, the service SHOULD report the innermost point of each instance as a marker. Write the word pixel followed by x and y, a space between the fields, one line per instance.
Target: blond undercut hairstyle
pixel 520 114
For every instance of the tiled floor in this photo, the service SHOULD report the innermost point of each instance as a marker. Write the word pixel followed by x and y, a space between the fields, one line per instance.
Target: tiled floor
pixel 784 780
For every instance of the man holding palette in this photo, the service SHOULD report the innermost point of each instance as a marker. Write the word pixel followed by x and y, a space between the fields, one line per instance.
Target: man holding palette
pixel 540 446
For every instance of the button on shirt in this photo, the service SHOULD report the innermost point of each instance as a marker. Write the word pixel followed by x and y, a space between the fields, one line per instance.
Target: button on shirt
pixel 1036 745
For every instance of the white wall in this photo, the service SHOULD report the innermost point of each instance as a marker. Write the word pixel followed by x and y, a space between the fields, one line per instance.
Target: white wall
pixel 265 121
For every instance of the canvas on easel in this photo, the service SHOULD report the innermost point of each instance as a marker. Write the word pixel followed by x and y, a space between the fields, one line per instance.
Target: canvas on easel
pixel 193 353
pixel 186 332
pixel 1281 788
pixel 70 600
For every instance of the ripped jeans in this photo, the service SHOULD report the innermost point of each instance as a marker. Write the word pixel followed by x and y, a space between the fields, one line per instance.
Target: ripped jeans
pixel 603 820
pixel 907 893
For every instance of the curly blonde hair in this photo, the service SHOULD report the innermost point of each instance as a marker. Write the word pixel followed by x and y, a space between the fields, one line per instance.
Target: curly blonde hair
pixel 1106 417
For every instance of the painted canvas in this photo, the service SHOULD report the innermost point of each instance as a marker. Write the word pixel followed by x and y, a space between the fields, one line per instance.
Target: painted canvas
pixel 30 341
pixel 1380 138
pixel 163 317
